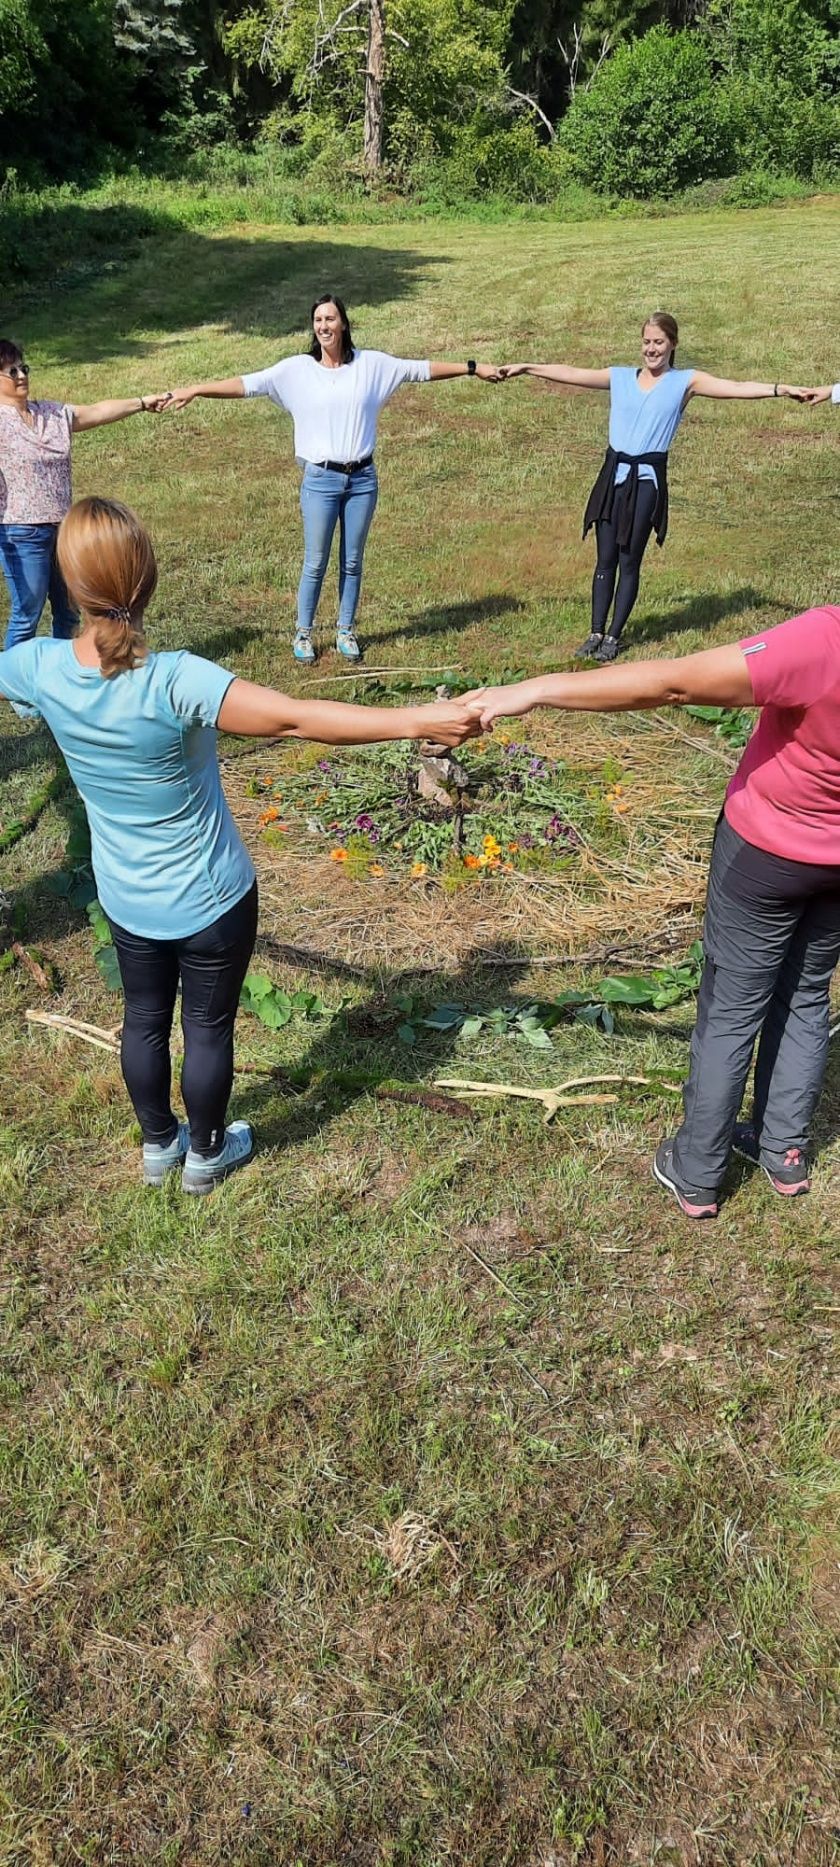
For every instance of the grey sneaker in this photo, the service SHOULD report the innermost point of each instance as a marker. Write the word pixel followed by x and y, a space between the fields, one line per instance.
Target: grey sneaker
pixel 609 649
pixel 159 1162
pixel 201 1176
pixel 694 1205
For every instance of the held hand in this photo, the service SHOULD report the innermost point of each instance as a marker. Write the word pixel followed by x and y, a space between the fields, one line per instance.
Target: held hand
pixel 447 723
pixel 795 395
pixel 812 396
pixel 154 403
pixel 508 370
pixel 497 703
pixel 176 399
pixel 488 372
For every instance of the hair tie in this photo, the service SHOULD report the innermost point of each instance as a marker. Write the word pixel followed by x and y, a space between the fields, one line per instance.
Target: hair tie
pixel 119 614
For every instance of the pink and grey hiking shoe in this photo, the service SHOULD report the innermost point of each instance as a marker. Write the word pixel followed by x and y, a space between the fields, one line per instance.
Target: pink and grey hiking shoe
pixel 694 1205
pixel 789 1176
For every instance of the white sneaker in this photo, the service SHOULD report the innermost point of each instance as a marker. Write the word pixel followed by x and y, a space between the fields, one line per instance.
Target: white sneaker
pixel 200 1175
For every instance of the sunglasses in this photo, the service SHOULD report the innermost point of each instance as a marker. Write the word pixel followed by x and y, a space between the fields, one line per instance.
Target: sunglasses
pixel 19 372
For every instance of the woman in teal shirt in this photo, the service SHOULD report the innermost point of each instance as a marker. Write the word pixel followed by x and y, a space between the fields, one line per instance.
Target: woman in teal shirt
pixel 138 732
pixel 629 499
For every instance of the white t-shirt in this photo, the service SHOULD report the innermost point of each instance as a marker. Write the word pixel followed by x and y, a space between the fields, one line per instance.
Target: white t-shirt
pixel 335 410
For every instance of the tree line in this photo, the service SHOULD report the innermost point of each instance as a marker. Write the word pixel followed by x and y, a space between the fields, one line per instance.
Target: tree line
pixel 511 97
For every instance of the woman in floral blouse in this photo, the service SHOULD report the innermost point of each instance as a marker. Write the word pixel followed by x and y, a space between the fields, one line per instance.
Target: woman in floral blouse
pixel 35 440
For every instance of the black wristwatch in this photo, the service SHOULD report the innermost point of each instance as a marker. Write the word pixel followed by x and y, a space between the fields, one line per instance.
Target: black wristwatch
pixel 471 366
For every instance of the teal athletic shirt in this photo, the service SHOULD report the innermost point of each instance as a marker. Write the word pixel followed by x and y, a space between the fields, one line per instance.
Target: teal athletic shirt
pixel 644 421
pixel 141 750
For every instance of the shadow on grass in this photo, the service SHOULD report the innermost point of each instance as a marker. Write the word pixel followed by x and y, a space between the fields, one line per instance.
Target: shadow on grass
pixel 127 270
pixel 361 1051
pixel 701 612
pixel 447 618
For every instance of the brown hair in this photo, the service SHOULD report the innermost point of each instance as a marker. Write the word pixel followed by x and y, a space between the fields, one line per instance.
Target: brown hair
pixel 669 328
pixel 108 564
pixel 10 352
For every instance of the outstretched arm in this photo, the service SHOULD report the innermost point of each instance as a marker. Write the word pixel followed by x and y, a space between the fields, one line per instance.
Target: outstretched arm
pixel 722 389
pixel 263 713
pixel 97 414
pixel 716 677
pixel 560 372
pixel 229 386
pixel 443 372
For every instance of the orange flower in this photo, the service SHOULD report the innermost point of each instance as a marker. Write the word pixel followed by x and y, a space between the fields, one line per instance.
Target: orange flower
pixel 321 798
pixel 376 869
pixel 513 849
pixel 472 862
pixel 508 868
pixel 418 869
pixel 269 816
pixel 338 855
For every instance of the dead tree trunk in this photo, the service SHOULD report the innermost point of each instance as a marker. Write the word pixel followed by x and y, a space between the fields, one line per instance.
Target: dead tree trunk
pixel 374 78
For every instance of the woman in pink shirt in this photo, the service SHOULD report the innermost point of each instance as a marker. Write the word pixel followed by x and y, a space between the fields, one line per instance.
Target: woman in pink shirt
pixel 771 936
pixel 35 493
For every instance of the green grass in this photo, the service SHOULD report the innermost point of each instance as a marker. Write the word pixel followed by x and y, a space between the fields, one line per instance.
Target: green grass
pixel 433 1496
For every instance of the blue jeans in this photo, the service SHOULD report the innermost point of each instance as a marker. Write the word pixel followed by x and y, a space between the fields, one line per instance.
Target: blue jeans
pixel 328 499
pixel 30 567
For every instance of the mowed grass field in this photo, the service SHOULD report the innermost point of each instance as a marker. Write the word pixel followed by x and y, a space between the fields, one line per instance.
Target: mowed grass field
pixel 434 1495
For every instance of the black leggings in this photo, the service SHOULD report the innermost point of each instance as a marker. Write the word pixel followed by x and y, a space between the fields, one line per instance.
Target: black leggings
pixel 211 966
pixel 624 563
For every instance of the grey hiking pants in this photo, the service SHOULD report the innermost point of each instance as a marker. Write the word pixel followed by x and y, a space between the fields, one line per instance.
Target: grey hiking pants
pixel 771 941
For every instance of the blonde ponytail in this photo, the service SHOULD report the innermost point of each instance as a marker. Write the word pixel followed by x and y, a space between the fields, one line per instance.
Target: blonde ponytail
pixel 108 564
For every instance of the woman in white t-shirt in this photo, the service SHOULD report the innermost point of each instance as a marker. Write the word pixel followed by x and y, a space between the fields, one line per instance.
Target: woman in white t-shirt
pixel 333 394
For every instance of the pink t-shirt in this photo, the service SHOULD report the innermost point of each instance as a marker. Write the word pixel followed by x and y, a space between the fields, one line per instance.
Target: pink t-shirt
pixel 785 795
pixel 35 464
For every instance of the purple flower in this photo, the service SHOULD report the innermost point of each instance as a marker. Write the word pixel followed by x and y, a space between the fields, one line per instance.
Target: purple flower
pixel 324 764
pixel 364 822
pixel 536 767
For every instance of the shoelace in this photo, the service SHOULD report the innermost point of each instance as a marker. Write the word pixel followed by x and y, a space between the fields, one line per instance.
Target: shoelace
pixel 794 1157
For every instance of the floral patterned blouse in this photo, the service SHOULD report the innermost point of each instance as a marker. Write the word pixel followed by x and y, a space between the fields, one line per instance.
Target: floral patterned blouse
pixel 35 464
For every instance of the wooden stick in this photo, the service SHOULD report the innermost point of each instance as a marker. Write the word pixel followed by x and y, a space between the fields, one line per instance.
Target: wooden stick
pixel 87 1033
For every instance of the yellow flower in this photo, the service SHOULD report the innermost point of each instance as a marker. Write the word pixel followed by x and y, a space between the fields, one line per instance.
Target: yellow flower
pixel 417 869
pixel 376 869
pixel 338 855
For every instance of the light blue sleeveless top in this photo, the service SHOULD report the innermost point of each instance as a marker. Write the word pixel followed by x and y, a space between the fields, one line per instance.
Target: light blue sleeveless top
pixel 644 421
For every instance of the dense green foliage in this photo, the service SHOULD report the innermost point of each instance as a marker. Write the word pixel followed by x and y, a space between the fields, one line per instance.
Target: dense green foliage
pixel 514 98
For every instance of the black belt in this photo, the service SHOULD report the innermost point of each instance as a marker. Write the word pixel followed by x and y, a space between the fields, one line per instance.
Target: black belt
pixel 344 466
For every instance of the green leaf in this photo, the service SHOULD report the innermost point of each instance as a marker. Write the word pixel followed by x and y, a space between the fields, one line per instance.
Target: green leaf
pixel 444 1018
pixel 471 1027
pixel 274 1011
pixel 406 1034
pixel 258 985
pixel 535 1033
pixel 108 964
pixel 634 990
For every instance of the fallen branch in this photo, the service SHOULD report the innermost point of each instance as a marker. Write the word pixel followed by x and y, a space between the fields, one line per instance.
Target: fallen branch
pixel 87 1033
pixel 551 1099
pixel 508 1288
pixel 425 1099
pixel 33 966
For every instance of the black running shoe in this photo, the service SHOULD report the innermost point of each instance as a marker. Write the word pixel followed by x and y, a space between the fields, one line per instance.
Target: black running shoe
pixel 588 649
pixel 608 650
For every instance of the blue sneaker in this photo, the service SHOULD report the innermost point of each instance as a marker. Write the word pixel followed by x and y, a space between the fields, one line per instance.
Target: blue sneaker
pixel 201 1176
pixel 302 648
pixel 348 645
pixel 158 1162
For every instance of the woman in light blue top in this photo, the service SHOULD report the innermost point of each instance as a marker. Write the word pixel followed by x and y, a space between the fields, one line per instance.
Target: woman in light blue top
pixel 138 731
pixel 629 499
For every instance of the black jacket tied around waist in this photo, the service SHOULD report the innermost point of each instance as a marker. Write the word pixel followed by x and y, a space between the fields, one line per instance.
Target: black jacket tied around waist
pixel 617 504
